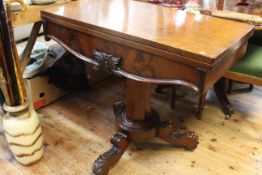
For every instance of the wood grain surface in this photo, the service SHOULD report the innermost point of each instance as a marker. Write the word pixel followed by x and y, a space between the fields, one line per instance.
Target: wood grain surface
pixel 198 37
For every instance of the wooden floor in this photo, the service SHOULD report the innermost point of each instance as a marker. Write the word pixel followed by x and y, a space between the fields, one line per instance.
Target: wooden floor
pixel 77 128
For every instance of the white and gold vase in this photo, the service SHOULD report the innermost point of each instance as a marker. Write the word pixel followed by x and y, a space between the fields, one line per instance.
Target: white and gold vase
pixel 23 133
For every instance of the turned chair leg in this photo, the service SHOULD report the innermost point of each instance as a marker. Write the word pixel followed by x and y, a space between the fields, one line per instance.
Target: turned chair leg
pixel 201 105
pixel 225 105
pixel 230 88
pixel 159 88
pixel 251 87
pixel 230 85
pixel 173 96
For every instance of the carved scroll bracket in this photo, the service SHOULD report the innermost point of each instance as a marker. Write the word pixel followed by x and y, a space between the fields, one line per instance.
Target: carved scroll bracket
pixel 107 62
pixel 112 64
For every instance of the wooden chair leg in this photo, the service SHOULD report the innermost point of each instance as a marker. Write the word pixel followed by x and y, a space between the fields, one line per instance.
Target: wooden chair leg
pixel 173 96
pixel 201 105
pixel 159 88
pixel 240 90
pixel 230 85
pixel 226 107
pixel 251 87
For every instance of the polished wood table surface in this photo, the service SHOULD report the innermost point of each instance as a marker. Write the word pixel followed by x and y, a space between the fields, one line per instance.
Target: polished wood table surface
pixel 148 45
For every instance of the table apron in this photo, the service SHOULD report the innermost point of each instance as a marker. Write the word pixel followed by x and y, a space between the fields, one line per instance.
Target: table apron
pixel 140 65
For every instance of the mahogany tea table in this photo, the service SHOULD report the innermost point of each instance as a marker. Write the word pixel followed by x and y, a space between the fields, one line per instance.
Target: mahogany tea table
pixel 148 45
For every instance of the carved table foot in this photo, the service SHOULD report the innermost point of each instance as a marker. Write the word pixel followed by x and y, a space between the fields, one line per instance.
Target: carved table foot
pixel 187 139
pixel 137 122
pixel 105 161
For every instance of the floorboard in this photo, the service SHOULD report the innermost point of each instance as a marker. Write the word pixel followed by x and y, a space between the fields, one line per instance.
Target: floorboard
pixel 77 128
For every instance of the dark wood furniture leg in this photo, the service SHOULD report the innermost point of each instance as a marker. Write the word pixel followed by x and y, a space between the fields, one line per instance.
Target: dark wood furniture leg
pixel 230 85
pixel 173 96
pixel 240 90
pixel 159 89
pixel 137 122
pixel 201 105
pixel 219 88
